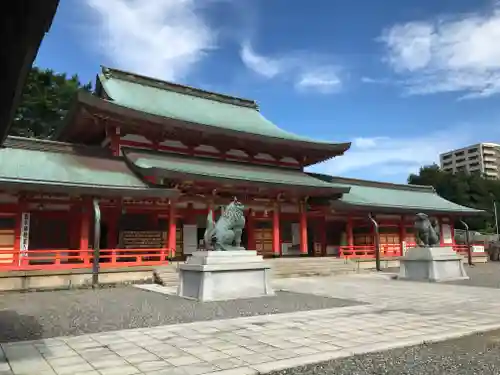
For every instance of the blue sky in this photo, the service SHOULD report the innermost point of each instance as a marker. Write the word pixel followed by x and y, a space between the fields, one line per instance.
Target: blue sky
pixel 402 80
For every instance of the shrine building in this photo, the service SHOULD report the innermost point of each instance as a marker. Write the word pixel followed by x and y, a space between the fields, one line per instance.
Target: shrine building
pixel 140 162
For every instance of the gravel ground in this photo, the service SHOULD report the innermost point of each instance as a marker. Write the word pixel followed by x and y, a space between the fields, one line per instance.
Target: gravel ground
pixel 477 354
pixel 470 355
pixel 27 316
pixel 486 275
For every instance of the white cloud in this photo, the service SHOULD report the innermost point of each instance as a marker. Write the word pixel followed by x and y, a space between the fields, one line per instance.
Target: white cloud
pixel 394 158
pixel 379 81
pixel 459 54
pixel 266 67
pixel 307 72
pixel 159 38
pixel 325 81
pixel 368 143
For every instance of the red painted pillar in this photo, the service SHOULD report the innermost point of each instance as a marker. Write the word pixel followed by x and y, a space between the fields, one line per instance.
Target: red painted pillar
pixel 172 229
pixel 350 233
pixel 85 231
pixel 303 228
pixel 440 223
pixel 402 234
pixel 114 136
pixel 250 227
pixel 276 231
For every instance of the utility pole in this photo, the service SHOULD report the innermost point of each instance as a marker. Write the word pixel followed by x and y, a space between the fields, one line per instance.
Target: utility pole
pixel 496 217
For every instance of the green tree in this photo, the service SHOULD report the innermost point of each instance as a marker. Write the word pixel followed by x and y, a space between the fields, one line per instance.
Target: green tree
pixel 46 99
pixel 471 190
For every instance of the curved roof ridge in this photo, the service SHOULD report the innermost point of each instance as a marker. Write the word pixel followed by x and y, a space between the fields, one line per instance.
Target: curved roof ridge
pixel 179 88
pixel 48 145
pixel 371 183
pixel 231 115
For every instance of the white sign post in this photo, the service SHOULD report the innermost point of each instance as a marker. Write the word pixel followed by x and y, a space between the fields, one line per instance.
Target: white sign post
pixel 447 236
pixel 25 235
pixel 190 238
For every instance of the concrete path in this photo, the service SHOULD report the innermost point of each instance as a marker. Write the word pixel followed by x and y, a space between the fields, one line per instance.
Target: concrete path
pixel 398 314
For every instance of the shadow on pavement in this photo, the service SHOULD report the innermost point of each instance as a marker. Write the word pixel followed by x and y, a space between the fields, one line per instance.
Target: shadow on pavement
pixel 16 327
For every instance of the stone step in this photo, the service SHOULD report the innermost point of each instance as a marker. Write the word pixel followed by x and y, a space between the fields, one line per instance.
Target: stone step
pixel 293 269
pixel 307 267
pixel 166 275
pixel 312 274
pixel 312 271
pixel 287 265
pixel 307 264
pixel 308 261
pixel 280 268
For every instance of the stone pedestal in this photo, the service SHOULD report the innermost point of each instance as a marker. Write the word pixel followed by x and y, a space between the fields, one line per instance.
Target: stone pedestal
pixel 224 275
pixel 432 264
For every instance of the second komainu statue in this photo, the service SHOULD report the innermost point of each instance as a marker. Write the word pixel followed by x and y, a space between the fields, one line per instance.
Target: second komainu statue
pixel 427 233
pixel 225 234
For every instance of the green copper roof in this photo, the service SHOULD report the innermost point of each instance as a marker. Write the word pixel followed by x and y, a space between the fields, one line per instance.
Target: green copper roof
pixel 173 166
pixel 66 170
pixel 193 105
pixel 395 196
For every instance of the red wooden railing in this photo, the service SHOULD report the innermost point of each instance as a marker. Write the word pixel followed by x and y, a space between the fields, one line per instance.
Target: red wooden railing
pixel 462 249
pixel 365 251
pixel 57 259
pixel 390 250
pixel 368 251
pixel 386 250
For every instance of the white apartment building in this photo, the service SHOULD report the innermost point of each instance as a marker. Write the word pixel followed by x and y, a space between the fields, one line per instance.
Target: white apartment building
pixel 481 158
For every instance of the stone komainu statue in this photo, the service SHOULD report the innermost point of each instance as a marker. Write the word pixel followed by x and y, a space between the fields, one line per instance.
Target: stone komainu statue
pixel 225 234
pixel 426 231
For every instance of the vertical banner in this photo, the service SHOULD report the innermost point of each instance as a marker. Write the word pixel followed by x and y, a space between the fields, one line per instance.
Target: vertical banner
pixel 25 234
pixel 447 236
pixel 190 238
pixel 295 233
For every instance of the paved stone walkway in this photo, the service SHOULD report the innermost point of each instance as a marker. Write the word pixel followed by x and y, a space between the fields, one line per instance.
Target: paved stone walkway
pixel 398 314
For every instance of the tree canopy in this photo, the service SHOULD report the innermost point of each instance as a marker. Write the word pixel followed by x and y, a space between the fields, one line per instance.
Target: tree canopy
pixel 471 190
pixel 46 99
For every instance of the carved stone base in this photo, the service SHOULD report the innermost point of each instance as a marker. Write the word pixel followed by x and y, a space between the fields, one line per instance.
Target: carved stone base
pixel 230 248
pixel 224 275
pixel 432 264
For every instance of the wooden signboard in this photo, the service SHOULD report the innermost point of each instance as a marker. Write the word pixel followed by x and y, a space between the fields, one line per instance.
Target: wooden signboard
pixel 142 239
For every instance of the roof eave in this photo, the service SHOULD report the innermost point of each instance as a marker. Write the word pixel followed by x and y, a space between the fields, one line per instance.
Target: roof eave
pixel 328 150
pixel 92 190
pixel 344 206
pixel 296 189
pixel 60 133
pixel 331 150
pixel 368 183
pixel 33 20
pixel 312 190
